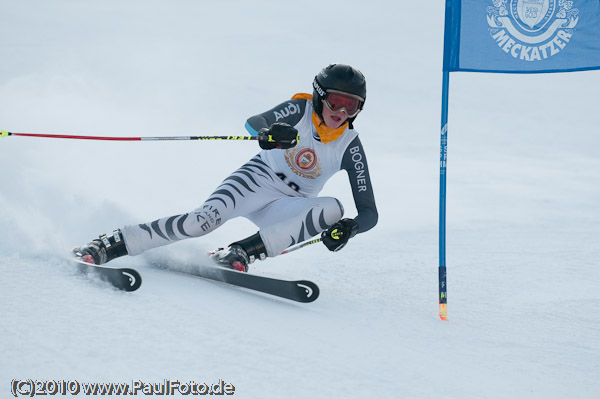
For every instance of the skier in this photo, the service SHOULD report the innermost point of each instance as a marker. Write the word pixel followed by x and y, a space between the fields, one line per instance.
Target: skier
pixel 304 142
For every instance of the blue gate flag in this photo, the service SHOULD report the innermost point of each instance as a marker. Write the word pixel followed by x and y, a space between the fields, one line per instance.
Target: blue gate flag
pixel 522 36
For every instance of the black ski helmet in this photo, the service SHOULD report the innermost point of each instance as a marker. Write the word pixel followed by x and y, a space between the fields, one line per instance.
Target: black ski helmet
pixel 338 77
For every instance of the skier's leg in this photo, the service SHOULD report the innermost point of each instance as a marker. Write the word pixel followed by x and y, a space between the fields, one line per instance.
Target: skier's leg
pixel 282 223
pixel 288 221
pixel 135 239
pixel 228 201
pixel 142 237
pixel 243 192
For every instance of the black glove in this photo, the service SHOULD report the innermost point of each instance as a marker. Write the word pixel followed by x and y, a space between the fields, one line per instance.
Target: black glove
pixel 279 135
pixel 336 237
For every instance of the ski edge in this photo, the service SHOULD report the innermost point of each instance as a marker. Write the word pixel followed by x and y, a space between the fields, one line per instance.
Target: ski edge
pixel 304 291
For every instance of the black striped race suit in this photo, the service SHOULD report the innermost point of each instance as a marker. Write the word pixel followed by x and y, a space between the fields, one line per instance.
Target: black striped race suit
pixel 276 189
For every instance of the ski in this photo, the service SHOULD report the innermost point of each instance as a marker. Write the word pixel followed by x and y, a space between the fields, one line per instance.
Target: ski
pixel 299 290
pixel 122 278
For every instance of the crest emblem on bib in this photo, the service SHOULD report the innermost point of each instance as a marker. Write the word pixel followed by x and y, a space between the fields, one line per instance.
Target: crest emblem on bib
pixel 532 30
pixel 304 162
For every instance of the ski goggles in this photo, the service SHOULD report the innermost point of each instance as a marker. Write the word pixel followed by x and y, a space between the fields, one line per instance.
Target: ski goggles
pixel 336 100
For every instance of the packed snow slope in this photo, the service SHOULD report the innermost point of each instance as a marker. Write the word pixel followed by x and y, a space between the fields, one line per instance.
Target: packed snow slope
pixel 523 215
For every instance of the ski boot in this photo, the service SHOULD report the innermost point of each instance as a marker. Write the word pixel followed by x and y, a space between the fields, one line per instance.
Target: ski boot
pixel 233 257
pixel 103 249
pixel 240 254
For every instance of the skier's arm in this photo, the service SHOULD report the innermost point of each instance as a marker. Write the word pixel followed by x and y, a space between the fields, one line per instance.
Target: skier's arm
pixel 355 163
pixel 289 112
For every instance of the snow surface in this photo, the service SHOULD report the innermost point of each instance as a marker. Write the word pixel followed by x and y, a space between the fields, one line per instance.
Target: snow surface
pixel 523 215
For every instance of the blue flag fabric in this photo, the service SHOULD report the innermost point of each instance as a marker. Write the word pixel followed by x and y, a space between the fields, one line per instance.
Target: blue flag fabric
pixel 522 36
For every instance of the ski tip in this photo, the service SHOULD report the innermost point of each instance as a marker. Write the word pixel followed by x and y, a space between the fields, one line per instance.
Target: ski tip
pixel 124 279
pixel 310 291
pixel 443 312
pixel 132 278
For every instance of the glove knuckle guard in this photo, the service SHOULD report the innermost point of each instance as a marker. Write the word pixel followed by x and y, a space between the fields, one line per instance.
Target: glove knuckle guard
pixel 279 135
pixel 337 236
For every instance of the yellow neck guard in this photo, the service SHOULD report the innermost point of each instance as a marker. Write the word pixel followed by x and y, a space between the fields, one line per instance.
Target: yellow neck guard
pixel 326 133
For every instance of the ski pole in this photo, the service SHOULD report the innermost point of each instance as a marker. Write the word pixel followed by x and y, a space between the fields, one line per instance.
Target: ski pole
pixel 4 133
pixel 301 245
